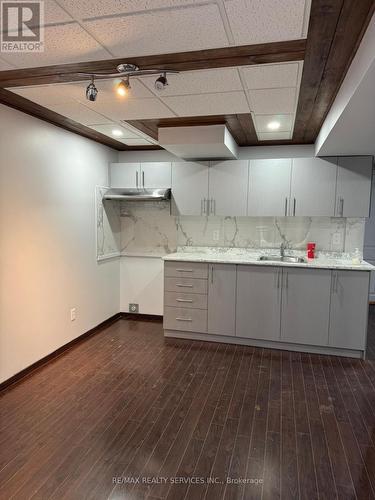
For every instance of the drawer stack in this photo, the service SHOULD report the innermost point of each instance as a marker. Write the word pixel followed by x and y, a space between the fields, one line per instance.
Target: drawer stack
pixel 185 296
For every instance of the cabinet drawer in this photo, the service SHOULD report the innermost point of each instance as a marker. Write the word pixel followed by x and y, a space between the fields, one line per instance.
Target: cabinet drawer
pixel 182 318
pixel 187 300
pixel 186 269
pixel 185 285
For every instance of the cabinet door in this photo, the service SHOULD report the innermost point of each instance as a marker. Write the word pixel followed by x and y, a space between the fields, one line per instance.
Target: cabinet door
pixel 313 187
pixel 190 187
pixel 228 187
pixel 124 175
pixel 156 175
pixel 222 299
pixel 305 306
pixel 353 186
pixel 349 309
pixel 269 187
pixel 258 302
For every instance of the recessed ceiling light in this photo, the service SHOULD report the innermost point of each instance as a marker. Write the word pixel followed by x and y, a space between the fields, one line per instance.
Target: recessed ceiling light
pixel 273 125
pixel 117 132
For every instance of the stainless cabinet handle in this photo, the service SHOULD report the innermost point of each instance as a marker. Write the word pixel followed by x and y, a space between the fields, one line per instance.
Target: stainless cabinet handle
pixel 136 179
pixel 286 206
pixel 342 207
pixel 184 319
pixel 286 279
pixel 336 282
pixel 185 300
pixel 204 206
pixel 214 206
pixel 212 275
pixel 294 207
pixel 185 270
pixel 278 278
pixel 143 179
pixel 184 286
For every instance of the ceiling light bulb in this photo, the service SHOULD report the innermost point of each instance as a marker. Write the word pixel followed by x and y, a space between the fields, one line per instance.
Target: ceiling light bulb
pixel 273 125
pixel 122 88
pixel 161 82
pixel 91 91
pixel 117 132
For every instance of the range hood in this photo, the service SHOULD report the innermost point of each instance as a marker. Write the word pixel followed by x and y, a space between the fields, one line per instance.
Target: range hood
pixel 133 194
pixel 199 142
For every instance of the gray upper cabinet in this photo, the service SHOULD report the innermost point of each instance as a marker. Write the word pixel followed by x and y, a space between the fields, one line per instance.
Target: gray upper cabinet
pixel 124 175
pixel 269 187
pixel 305 306
pixel 140 175
pixel 258 302
pixel 353 186
pixel 222 299
pixel 155 175
pixel 228 182
pixel 349 304
pixel 313 187
pixel 190 188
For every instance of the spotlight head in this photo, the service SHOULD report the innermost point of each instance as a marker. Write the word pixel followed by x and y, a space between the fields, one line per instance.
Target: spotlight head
pixel 161 82
pixel 91 91
pixel 122 88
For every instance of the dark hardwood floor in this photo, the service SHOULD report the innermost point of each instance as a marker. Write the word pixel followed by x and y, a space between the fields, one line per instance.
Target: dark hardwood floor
pixel 128 415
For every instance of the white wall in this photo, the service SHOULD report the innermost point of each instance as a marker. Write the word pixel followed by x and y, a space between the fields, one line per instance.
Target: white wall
pixel 47 240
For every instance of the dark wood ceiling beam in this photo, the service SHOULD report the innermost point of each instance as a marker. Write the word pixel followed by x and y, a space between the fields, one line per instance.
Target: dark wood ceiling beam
pixel 335 31
pixel 293 50
pixel 31 108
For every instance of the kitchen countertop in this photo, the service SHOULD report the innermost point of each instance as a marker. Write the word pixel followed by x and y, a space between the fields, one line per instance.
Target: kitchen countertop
pixel 251 256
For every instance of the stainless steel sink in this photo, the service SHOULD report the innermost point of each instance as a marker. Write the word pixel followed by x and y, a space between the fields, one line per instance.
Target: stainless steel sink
pixel 287 258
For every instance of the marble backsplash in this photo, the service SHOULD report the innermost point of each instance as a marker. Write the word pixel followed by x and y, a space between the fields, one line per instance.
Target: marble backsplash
pixel 149 228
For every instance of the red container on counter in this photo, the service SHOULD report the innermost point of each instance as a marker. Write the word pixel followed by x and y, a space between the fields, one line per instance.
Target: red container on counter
pixel 311 250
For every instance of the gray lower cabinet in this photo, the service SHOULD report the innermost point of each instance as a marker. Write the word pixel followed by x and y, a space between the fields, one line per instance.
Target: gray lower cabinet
pixel 305 306
pixel 349 309
pixel 258 300
pixel 221 299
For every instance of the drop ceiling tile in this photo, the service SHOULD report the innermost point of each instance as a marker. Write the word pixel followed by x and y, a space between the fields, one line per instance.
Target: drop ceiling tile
pixel 208 104
pixel 273 101
pixel 198 82
pixel 97 8
pixel 132 109
pixel 268 76
pixel 53 13
pixel 65 43
pixel 137 142
pixel 261 122
pixel 108 130
pixel 157 32
pixel 274 136
pixel 4 66
pixel 262 21
pixel 52 94
pixel 79 113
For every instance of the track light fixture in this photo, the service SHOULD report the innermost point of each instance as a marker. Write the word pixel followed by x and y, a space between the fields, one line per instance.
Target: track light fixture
pixel 122 88
pixel 125 71
pixel 91 91
pixel 161 82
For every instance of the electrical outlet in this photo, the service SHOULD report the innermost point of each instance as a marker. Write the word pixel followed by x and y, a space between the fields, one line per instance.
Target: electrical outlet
pixel 133 308
pixel 216 235
pixel 73 314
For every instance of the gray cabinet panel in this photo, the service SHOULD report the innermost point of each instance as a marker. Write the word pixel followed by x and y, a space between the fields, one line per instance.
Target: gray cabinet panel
pixel 313 187
pixel 269 187
pixel 353 186
pixel 124 175
pixel 349 304
pixel 190 187
pixel 228 187
pixel 305 306
pixel 222 299
pixel 258 302
pixel 155 175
